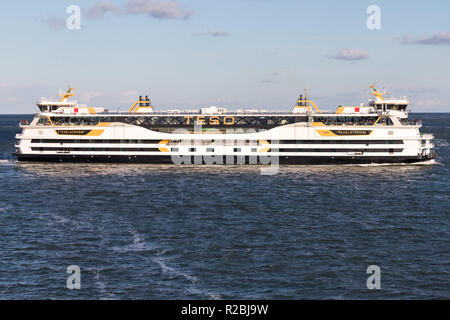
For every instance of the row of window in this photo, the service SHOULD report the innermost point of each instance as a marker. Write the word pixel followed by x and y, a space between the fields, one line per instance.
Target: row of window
pixel 338 150
pixel 94 141
pixel 58 149
pixel 219 130
pixel 213 121
pixel 337 142
pixel 384 107
pixel 93 149
pixel 356 121
pixel 206 142
pixel 178 121
pixel 304 150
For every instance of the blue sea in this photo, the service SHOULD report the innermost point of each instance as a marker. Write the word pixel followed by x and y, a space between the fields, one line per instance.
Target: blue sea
pixel 224 232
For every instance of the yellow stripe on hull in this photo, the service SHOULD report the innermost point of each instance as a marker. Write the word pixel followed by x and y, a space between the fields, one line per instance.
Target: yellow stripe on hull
pixel 264 149
pixel 164 142
pixel 95 133
pixel 325 133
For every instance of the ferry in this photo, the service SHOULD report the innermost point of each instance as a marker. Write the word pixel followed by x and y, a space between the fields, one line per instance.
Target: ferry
pixel 375 132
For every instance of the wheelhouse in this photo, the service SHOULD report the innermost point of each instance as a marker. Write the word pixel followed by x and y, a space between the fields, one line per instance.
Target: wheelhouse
pixel 388 106
pixel 53 107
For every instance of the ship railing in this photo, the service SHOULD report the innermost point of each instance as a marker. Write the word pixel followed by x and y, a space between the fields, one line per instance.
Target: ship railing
pixel 24 123
pixel 426 136
pixel 351 123
pixel 409 122
pixel 217 114
pixel 427 145
pixel 44 100
pixel 203 114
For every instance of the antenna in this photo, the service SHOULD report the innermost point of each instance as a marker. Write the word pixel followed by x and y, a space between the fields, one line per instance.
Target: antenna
pixel 377 94
pixel 67 95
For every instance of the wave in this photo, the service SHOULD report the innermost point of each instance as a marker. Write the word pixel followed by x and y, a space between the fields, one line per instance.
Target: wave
pixel 423 163
pixel 210 295
pixel 100 285
pixel 170 270
pixel 139 244
pixel 193 288
pixel 160 257
pixel 441 143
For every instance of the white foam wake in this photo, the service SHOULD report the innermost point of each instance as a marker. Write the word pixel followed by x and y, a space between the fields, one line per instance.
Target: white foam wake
pixel 423 163
pixel 166 269
pixel 139 244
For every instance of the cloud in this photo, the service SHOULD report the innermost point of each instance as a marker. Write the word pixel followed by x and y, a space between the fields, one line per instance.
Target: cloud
pixel 212 34
pixel 271 79
pixel 87 96
pixel 416 90
pixel 219 34
pixel 431 103
pixel 442 38
pixel 21 98
pixel 268 81
pixel 165 9
pixel 99 10
pixel 128 96
pixel 158 10
pixel 351 55
pixel 54 22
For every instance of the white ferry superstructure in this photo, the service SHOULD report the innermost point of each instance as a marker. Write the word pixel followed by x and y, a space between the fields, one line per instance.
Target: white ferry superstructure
pixel 376 132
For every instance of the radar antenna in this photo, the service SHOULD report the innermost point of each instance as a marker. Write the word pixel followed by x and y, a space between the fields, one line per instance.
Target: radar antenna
pixel 377 94
pixel 67 95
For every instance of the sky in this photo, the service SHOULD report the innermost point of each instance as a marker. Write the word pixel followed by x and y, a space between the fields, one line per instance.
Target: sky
pixel 255 54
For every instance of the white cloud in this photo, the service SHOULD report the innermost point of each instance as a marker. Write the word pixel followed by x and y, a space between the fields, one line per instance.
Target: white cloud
pixel 431 103
pixel 129 96
pixel 268 81
pixel 442 38
pixel 159 10
pixel 351 55
pixel 87 96
pixel 54 22
pixel 416 89
pixel 12 99
pixel 219 33
pixel 166 9
pixel 212 34
pixel 99 10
